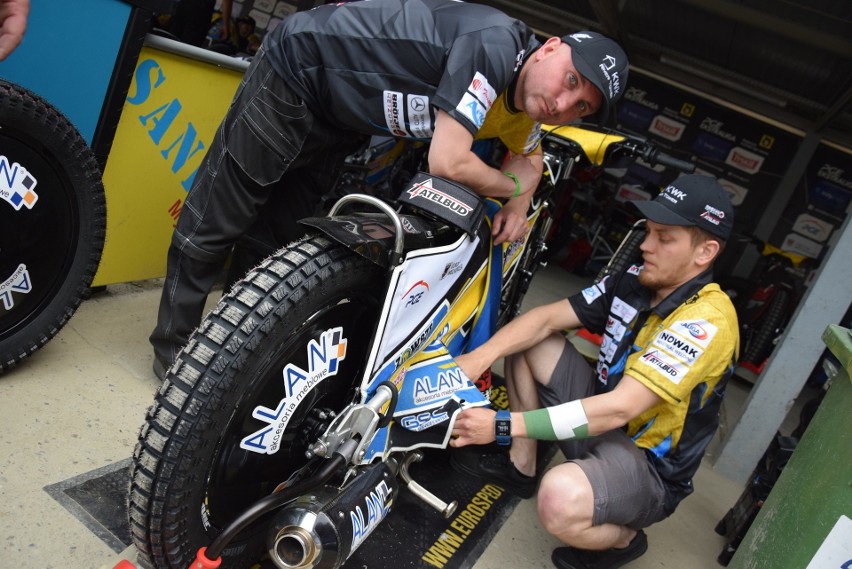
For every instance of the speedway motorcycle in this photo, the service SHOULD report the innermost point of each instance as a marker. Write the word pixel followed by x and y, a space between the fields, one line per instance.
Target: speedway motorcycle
pixel 288 423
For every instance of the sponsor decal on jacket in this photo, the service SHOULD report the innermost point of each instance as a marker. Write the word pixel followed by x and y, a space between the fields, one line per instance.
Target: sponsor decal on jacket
pixel 608 348
pixel 699 331
pixel 623 310
pixel 473 109
pixel 595 291
pixel 615 328
pixel 419 117
pixel 681 349
pixel 603 373
pixel 666 364
pixel 393 113
pixel 482 90
pixel 533 138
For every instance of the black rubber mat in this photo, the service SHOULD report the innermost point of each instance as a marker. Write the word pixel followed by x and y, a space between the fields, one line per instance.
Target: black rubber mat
pixel 98 498
pixel 413 535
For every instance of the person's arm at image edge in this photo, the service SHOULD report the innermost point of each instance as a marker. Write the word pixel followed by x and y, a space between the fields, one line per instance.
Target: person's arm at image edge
pixel 13 24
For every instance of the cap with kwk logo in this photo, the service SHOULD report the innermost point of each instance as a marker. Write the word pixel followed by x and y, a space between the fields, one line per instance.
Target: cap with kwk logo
pixel 602 62
pixel 692 200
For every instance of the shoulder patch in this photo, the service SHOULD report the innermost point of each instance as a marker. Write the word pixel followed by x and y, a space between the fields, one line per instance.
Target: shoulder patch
pixel 699 331
pixel 595 291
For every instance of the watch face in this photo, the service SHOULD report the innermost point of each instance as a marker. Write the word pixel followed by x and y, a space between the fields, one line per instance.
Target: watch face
pixel 503 427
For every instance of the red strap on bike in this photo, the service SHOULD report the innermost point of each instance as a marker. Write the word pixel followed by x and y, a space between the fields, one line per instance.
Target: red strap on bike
pixel 125 564
pixel 202 562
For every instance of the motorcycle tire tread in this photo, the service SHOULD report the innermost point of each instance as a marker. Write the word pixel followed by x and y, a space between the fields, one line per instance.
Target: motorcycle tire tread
pixel 183 418
pixel 45 128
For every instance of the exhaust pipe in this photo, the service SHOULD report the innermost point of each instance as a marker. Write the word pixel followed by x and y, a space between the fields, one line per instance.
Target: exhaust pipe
pixel 322 529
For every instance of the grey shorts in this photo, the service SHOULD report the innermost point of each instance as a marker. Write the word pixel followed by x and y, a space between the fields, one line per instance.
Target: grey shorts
pixel 627 489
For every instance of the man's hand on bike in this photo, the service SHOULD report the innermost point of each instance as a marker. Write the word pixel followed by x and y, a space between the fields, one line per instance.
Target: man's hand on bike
pixel 473 426
pixel 510 223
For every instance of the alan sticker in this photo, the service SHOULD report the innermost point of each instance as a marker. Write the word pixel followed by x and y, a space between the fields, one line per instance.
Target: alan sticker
pixel 323 358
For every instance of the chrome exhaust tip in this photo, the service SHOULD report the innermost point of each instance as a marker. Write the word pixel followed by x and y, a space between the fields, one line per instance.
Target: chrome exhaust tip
pixel 294 548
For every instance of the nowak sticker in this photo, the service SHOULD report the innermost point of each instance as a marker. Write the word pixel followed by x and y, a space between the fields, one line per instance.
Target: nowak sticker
pixel 17 185
pixel 323 358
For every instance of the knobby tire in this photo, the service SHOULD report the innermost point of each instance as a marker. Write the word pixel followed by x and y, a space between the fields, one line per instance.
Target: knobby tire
pixel 189 476
pixel 49 249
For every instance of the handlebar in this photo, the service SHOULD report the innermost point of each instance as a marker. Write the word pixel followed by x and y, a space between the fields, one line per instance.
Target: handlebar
pixel 596 145
pixel 653 155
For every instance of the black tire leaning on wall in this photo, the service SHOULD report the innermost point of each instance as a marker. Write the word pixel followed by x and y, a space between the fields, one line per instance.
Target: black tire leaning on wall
pixel 628 252
pixel 50 240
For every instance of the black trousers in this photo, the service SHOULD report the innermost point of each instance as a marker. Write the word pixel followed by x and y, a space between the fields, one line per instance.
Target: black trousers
pixel 268 166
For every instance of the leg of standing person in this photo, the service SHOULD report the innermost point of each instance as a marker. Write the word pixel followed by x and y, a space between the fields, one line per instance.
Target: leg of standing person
pixel 262 134
pixel 296 196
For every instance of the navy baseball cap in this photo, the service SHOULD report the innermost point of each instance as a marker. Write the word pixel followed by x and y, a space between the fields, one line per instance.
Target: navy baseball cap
pixel 692 200
pixel 602 62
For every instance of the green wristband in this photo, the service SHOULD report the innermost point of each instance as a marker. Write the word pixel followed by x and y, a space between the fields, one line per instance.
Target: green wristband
pixel 561 423
pixel 517 183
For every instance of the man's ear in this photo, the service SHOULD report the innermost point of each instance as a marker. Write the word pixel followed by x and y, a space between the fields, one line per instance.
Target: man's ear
pixel 706 252
pixel 548 47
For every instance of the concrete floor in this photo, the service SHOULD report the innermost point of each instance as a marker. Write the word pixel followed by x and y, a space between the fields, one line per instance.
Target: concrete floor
pixel 77 404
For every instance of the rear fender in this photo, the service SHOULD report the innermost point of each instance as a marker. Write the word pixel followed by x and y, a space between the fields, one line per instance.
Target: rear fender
pixel 372 235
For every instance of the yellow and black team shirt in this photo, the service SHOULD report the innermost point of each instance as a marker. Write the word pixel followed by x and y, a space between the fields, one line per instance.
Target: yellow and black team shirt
pixel 683 350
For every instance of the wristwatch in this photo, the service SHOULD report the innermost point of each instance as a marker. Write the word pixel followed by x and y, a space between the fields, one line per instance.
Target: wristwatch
pixel 503 427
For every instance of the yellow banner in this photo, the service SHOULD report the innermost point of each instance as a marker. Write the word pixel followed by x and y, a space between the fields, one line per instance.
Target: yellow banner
pixel 173 108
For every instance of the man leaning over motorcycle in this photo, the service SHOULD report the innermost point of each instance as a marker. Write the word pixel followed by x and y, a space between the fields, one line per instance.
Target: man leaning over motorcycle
pixel 328 78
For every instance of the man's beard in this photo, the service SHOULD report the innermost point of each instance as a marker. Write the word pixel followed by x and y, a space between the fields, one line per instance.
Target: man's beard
pixel 650 282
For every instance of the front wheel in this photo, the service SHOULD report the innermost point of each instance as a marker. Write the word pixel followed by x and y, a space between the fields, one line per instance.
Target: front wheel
pixel 259 380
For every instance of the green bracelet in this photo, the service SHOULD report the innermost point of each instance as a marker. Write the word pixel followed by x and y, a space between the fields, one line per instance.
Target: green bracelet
pixel 517 183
